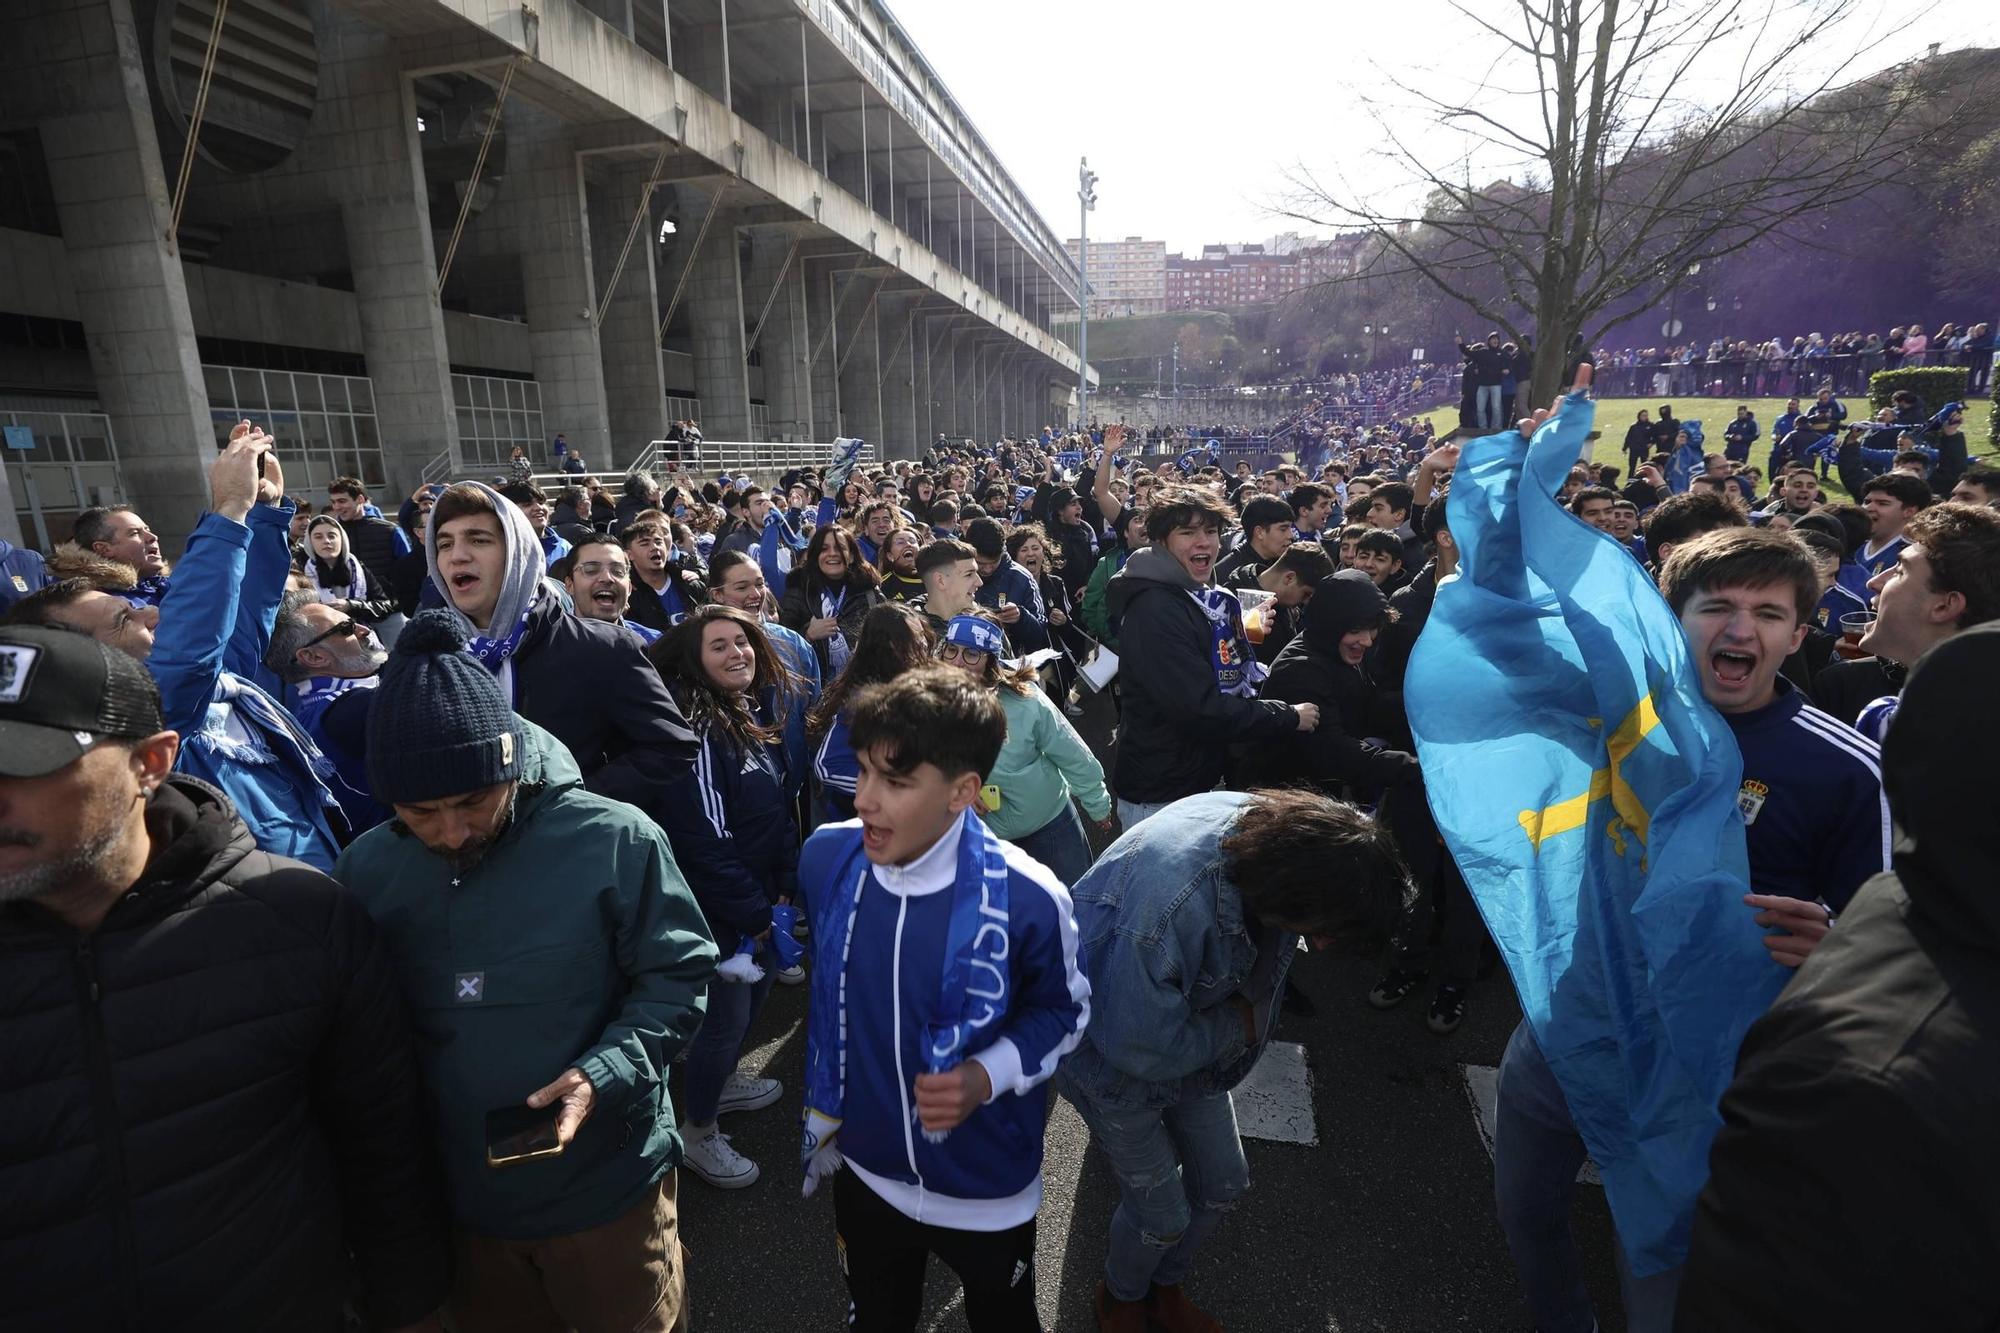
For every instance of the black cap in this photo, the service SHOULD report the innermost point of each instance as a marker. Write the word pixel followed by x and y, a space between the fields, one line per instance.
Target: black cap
pixel 61 692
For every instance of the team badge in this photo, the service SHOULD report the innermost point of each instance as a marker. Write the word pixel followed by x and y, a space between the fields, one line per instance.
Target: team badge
pixel 1750 799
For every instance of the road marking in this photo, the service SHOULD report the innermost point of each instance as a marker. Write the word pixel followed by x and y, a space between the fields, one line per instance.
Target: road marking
pixel 1275 1101
pixel 1482 1089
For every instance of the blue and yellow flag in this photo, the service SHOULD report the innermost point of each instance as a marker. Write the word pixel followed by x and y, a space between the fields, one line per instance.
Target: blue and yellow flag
pixel 1589 791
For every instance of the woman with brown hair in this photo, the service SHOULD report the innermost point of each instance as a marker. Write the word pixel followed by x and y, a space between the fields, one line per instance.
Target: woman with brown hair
pixel 741 858
pixel 894 639
pixel 829 596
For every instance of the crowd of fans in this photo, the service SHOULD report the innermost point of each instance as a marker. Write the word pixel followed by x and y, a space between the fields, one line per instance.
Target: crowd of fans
pixel 365 871
pixel 1778 367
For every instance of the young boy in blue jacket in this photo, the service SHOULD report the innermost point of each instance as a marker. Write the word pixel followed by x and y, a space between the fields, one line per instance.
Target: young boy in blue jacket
pixel 921 1076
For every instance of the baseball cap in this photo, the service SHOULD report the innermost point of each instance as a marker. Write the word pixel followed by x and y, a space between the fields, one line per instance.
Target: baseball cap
pixel 61 692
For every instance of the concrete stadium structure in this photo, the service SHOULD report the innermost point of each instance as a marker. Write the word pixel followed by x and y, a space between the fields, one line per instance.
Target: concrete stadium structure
pixel 415 233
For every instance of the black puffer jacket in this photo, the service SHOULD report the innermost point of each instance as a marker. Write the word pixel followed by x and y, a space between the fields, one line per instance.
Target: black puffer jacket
pixel 373 542
pixel 210 1101
pixel 1178 725
pixel 1856 1179
pixel 1353 709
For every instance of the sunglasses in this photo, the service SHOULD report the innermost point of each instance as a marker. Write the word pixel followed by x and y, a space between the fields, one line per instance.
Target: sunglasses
pixel 341 629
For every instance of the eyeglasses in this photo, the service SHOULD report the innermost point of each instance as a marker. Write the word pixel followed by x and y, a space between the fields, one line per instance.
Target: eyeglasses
pixel 341 629
pixel 960 655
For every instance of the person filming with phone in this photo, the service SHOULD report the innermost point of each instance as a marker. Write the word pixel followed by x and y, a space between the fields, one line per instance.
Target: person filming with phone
pixel 555 961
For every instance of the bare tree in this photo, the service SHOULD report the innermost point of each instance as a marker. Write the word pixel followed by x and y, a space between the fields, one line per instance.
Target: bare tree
pixel 1625 183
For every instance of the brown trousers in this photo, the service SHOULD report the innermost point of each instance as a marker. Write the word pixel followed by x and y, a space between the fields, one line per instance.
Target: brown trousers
pixel 627 1276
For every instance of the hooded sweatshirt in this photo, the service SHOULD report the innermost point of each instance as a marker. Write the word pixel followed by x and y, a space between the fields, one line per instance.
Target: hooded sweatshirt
pixel 1177 724
pixel 1852 1181
pixel 510 983
pixel 1350 751
pixel 522 577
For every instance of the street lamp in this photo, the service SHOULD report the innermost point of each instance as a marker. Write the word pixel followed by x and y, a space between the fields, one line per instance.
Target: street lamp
pixel 1086 198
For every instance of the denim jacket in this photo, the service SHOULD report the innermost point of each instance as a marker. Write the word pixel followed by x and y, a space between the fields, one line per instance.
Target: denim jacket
pixel 1165 945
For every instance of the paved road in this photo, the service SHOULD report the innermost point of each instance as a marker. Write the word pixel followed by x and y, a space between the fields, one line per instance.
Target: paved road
pixel 1386 1226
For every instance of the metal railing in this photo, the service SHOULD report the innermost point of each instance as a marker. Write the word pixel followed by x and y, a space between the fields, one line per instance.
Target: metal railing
pixel 705 460
pixel 1770 377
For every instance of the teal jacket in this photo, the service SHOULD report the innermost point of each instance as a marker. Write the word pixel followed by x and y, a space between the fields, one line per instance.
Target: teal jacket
pixel 575 942
pixel 1042 763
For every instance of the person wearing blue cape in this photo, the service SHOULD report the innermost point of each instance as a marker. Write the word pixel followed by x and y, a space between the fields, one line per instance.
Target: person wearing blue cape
pixel 946 985
pixel 1612 770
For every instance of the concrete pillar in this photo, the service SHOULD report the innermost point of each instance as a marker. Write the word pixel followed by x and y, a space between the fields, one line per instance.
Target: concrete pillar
pixel 782 346
pixel 628 341
pixel 820 353
pixel 857 340
pixel 713 302
pixel 964 351
pixel 369 127
pixel 541 209
pixel 923 407
pixel 901 330
pixel 112 199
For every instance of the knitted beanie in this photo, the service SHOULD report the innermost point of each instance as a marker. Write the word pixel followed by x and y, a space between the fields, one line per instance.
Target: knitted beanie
pixel 439 724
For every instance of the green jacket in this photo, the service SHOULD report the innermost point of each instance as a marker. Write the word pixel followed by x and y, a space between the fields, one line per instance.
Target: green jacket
pixel 1043 761
pixel 1096 616
pixel 574 942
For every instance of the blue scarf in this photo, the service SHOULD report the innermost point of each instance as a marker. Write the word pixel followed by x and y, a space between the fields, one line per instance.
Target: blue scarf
pixel 1237 670
pixel 971 996
pixel 493 653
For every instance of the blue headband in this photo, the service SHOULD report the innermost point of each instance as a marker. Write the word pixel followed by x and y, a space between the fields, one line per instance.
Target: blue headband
pixel 972 632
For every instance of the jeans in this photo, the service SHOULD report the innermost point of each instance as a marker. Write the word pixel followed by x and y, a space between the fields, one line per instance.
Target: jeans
pixel 1536 1155
pixel 1488 401
pixel 1131 814
pixel 1178 1169
pixel 712 1055
pixel 1061 845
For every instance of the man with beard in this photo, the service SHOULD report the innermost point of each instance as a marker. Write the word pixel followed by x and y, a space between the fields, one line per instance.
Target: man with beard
pixel 598 578
pixel 555 1015
pixel 328 660
pixel 202 1039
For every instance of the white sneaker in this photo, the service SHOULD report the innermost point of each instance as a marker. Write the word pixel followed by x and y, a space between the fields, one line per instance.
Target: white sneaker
pixel 710 1157
pixel 748 1094
pixel 793 975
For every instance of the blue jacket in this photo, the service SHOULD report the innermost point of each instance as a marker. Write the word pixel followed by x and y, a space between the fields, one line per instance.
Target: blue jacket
pixel 1166 944
pixel 742 855
pixel 836 769
pixel 214 624
pixel 803 663
pixel 554 547
pixel 21 572
pixel 986 1175
pixel 1739 435
pixel 1031 631
pixel 334 712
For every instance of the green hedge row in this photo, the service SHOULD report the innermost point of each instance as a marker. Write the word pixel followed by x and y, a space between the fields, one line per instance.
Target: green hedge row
pixel 1936 385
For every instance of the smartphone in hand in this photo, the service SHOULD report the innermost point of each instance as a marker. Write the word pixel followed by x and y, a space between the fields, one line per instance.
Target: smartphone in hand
pixel 522 1134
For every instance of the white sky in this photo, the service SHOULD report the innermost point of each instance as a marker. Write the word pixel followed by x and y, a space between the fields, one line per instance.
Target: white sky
pixel 1191 112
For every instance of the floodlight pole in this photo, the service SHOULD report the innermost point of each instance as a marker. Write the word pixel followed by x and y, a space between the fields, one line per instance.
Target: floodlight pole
pixel 1086 198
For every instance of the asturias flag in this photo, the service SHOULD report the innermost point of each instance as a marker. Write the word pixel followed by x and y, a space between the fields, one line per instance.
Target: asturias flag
pixel 1588 791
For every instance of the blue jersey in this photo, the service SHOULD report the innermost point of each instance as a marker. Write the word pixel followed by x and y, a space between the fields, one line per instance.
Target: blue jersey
pixel 1834 603
pixel 1883 559
pixel 1814 812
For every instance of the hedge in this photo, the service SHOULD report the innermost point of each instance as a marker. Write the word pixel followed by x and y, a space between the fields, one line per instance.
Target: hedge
pixel 1935 385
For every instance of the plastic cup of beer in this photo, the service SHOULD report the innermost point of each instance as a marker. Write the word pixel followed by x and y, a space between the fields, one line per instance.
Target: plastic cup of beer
pixel 1853 626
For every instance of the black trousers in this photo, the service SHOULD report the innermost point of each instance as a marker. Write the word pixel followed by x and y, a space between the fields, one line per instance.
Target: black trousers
pixel 883 1254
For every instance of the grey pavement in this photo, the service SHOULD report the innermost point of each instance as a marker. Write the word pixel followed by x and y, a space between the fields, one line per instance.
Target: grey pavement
pixel 1386 1226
